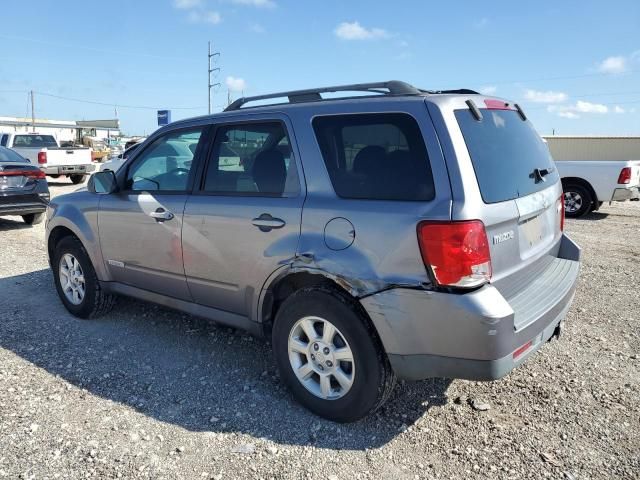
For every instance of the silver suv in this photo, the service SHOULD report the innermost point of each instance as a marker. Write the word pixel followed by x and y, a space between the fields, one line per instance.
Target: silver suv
pixel 389 232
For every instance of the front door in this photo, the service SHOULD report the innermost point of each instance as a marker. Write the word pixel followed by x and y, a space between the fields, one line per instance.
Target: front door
pixel 141 226
pixel 243 222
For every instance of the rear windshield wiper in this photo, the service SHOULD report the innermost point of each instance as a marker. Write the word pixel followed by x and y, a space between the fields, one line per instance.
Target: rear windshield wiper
pixel 538 174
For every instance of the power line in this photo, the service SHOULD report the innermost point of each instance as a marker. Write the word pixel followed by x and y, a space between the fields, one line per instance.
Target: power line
pixel 112 104
pixel 210 85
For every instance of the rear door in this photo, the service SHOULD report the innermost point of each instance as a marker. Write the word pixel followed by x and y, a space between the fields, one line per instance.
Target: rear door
pixel 243 222
pixel 503 174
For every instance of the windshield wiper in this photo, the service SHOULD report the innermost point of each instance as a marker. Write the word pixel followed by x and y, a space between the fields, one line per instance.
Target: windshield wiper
pixel 538 174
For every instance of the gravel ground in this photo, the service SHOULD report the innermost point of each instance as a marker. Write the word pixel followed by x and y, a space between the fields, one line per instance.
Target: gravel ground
pixel 150 393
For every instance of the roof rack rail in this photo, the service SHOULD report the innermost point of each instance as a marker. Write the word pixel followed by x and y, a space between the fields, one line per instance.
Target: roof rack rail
pixel 393 87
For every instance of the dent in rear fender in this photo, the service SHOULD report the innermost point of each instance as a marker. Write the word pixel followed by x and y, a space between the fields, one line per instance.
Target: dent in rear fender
pixel 83 222
pixel 470 325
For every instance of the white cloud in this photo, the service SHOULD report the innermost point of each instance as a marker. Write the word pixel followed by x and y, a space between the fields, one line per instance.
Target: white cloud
pixel 256 28
pixel 613 65
pixel 570 115
pixel 481 23
pixel 256 3
pixel 545 97
pixel 236 84
pixel 355 31
pixel 588 107
pixel 187 4
pixel 206 16
pixel 488 90
pixel 618 109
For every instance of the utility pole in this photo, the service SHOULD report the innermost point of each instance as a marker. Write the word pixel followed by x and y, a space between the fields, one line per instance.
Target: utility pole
pixel 210 71
pixel 33 113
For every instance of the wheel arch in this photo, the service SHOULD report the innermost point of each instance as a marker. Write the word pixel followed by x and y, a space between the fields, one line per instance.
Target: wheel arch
pixel 582 182
pixel 289 281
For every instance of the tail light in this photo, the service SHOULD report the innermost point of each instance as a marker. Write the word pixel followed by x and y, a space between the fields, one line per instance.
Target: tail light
pixel 561 211
pixel 35 174
pixel 456 253
pixel 625 176
pixel 42 157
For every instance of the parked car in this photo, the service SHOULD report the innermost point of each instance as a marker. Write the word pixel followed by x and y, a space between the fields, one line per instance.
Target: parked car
pixel 44 152
pixel 588 184
pixel 115 162
pixel 23 188
pixel 401 233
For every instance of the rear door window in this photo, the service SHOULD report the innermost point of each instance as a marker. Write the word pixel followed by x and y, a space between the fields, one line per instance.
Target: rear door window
pixel 379 156
pixel 506 151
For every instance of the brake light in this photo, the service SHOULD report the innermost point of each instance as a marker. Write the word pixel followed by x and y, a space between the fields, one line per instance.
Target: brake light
pixel 456 253
pixel 561 211
pixel 42 157
pixel 625 176
pixel 497 105
pixel 35 174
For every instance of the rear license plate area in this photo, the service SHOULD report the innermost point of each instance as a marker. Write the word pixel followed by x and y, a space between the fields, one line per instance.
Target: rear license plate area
pixel 531 232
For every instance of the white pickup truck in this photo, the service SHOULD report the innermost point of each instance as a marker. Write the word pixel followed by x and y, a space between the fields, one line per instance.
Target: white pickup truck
pixel 45 152
pixel 588 184
pixel 595 170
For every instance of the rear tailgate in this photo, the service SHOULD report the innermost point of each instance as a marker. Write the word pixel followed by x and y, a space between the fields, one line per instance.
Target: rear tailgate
pixel 68 156
pixel 502 173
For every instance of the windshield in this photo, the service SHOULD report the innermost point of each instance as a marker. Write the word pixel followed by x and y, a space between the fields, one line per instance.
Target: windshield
pixel 509 157
pixel 7 156
pixel 34 141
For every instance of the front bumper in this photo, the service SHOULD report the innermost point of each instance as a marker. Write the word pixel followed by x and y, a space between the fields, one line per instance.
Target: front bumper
pixel 68 169
pixel 627 193
pixel 478 335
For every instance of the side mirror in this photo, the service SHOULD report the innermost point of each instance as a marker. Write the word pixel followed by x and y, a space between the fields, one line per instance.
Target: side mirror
pixel 103 182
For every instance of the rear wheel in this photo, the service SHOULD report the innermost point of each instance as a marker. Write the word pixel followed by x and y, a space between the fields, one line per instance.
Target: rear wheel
pixel 577 200
pixel 76 179
pixel 54 176
pixel 33 218
pixel 76 281
pixel 329 355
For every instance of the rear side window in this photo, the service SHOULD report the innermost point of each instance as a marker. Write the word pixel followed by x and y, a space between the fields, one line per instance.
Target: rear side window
pixel 379 156
pixel 505 152
pixel 35 141
pixel 3 140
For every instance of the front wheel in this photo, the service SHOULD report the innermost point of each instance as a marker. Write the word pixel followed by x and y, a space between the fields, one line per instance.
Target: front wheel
pixel 329 355
pixel 76 179
pixel 577 200
pixel 76 280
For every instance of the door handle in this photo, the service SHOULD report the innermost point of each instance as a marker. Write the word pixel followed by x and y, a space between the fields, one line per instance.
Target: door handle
pixel 266 222
pixel 161 214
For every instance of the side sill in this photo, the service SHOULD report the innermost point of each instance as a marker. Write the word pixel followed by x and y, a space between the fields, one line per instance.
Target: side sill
pixel 213 314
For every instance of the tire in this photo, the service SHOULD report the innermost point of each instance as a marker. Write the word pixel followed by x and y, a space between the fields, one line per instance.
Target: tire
pixel 76 179
pixel 54 176
pixel 33 218
pixel 371 376
pixel 577 200
pixel 95 301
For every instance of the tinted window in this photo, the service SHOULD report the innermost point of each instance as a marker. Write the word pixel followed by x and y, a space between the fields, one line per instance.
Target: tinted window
pixel 7 155
pixel 3 140
pixel 505 151
pixel 375 156
pixel 34 141
pixel 252 159
pixel 166 163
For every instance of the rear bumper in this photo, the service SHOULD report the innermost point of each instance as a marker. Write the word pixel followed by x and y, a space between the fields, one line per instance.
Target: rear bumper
pixel 626 193
pixel 477 335
pixel 68 169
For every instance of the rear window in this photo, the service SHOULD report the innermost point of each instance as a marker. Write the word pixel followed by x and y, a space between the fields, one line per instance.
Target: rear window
pixel 505 152
pixel 7 155
pixel 378 156
pixel 34 141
